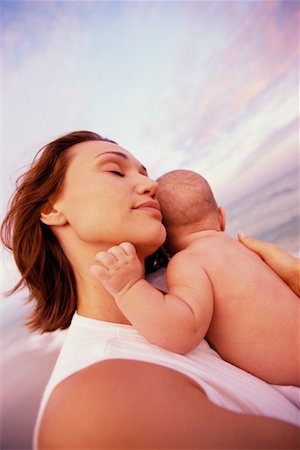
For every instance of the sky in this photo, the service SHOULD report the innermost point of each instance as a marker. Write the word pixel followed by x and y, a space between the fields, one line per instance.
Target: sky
pixel 205 85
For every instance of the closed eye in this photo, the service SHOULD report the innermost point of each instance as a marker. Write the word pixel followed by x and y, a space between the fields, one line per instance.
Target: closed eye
pixel 120 174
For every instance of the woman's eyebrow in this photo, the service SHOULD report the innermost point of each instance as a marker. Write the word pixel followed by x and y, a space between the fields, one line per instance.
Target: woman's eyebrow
pixel 119 154
pixel 113 153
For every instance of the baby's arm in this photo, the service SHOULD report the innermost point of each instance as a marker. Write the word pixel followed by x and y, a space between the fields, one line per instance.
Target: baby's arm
pixel 177 321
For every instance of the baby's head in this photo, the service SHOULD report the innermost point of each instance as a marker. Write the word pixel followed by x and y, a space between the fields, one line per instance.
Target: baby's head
pixel 187 201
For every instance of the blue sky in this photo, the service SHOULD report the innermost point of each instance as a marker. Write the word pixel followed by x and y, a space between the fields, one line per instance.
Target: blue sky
pixel 206 85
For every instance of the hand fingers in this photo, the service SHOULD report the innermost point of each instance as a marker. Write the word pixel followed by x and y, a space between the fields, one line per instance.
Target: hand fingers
pixel 128 248
pixel 99 271
pixel 105 258
pixel 267 250
pixel 250 242
pixel 117 251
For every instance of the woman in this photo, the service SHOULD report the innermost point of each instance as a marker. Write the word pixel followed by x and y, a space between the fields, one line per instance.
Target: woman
pixel 82 195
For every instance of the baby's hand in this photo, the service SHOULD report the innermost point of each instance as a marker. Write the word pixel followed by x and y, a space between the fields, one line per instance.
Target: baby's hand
pixel 118 269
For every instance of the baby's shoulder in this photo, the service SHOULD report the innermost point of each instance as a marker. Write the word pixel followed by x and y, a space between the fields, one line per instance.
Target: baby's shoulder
pixel 186 257
pixel 213 243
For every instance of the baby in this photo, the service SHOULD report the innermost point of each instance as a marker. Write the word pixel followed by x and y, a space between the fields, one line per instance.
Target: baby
pixel 217 288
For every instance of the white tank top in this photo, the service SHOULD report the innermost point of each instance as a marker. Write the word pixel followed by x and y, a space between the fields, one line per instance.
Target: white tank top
pixel 90 341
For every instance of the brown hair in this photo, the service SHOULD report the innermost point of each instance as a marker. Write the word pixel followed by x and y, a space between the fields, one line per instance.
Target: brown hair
pixel 43 265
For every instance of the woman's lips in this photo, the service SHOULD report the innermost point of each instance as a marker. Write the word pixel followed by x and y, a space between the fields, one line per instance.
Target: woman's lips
pixel 151 206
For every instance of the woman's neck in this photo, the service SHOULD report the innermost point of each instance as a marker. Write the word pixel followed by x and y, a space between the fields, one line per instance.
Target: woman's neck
pixel 95 302
pixel 92 299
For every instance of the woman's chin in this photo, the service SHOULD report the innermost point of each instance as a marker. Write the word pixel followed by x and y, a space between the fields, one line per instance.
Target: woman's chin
pixel 154 239
pixel 159 237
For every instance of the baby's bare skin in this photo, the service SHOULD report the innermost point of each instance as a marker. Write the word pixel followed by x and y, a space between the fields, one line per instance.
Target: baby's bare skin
pixel 216 288
pixel 255 323
pixel 285 265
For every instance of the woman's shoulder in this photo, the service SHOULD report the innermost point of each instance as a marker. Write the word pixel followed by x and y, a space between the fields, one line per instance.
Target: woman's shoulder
pixel 132 404
pixel 86 409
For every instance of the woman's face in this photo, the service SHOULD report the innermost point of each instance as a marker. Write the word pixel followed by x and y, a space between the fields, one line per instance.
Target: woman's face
pixel 105 198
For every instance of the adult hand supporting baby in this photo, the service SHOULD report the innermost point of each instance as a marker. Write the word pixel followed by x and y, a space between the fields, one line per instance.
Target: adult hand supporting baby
pixel 285 265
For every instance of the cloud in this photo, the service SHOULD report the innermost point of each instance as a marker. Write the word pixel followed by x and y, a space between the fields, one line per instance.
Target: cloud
pixel 224 104
pixel 194 84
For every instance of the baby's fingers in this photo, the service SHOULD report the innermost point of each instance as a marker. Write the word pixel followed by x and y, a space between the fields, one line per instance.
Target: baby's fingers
pixel 100 272
pixel 106 258
pixel 128 248
pixel 118 252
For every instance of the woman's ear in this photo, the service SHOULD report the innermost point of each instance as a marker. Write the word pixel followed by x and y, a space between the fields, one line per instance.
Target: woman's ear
pixel 222 217
pixel 50 215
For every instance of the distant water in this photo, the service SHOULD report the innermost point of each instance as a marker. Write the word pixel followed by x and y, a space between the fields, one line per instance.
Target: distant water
pixel 271 213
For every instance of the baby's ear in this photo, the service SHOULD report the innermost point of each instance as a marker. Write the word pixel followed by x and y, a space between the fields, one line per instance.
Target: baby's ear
pixel 222 217
pixel 51 215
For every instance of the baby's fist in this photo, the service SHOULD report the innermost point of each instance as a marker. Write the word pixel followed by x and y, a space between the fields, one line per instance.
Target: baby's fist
pixel 118 268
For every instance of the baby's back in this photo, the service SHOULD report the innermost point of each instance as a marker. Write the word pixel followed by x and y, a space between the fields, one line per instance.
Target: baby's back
pixel 255 323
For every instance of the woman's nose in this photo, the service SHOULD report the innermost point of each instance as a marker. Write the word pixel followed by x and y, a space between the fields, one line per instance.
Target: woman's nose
pixel 147 186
